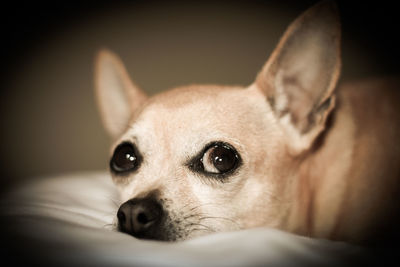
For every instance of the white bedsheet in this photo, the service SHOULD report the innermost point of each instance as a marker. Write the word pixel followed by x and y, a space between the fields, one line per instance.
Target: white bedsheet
pixel 65 221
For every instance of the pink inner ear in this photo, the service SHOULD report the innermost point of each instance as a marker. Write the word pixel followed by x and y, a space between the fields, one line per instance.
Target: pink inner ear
pixel 117 96
pixel 303 70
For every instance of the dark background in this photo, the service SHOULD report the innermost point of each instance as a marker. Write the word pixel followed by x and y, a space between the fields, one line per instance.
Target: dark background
pixel 49 121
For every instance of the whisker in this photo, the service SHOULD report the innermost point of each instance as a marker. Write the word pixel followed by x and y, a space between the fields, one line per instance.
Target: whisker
pixel 187 204
pixel 199 229
pixel 221 218
pixel 192 215
pixel 205 227
pixel 116 202
pixel 200 206
pixel 109 226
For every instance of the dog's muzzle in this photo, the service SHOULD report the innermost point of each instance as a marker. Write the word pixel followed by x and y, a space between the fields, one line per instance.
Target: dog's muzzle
pixel 141 218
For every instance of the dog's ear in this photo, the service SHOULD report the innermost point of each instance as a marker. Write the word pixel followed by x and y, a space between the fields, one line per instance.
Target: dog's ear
pixel 117 96
pixel 299 78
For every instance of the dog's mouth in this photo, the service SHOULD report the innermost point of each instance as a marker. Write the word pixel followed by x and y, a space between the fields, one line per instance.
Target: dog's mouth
pixel 149 218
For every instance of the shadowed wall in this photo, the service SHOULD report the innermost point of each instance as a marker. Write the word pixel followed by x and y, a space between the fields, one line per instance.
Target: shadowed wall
pixel 49 120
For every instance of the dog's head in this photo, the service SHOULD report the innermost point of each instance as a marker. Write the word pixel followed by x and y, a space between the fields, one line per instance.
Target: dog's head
pixel 207 158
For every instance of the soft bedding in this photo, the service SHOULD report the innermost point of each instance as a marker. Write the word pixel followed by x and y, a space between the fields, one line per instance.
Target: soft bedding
pixel 66 221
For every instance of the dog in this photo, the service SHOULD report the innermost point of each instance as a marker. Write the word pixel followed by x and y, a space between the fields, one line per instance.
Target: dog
pixel 290 151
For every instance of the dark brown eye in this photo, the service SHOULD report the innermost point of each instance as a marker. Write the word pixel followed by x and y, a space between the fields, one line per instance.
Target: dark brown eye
pixel 126 158
pixel 223 158
pixel 220 158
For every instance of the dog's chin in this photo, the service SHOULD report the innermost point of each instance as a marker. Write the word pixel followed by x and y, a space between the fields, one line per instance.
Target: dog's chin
pixel 167 233
pixel 161 235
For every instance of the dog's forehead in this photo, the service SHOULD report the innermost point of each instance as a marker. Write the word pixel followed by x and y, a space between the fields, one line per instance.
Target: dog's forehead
pixel 193 116
pixel 194 96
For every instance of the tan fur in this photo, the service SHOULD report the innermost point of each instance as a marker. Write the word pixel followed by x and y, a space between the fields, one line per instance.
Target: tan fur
pixel 315 162
pixel 348 186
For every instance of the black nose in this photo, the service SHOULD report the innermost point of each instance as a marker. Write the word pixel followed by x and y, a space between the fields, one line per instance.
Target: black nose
pixel 140 217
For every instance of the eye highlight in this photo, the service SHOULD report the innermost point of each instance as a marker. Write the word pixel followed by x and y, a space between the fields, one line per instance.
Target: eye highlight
pixel 217 159
pixel 126 158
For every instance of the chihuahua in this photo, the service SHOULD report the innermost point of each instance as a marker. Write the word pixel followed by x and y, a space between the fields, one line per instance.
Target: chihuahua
pixel 291 151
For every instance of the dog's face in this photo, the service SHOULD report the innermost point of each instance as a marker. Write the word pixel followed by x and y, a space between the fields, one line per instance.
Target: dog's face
pixel 201 159
pixel 208 174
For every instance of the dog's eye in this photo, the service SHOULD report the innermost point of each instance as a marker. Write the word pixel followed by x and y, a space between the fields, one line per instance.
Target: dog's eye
pixel 220 158
pixel 126 158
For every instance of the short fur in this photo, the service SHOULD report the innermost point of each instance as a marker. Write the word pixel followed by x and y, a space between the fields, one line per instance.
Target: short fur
pixel 315 161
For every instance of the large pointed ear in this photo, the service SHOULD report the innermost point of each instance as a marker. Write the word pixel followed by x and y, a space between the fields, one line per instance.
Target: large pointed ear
pixel 299 78
pixel 117 96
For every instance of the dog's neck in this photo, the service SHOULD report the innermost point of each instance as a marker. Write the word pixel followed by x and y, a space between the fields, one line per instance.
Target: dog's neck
pixel 334 184
pixel 321 185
